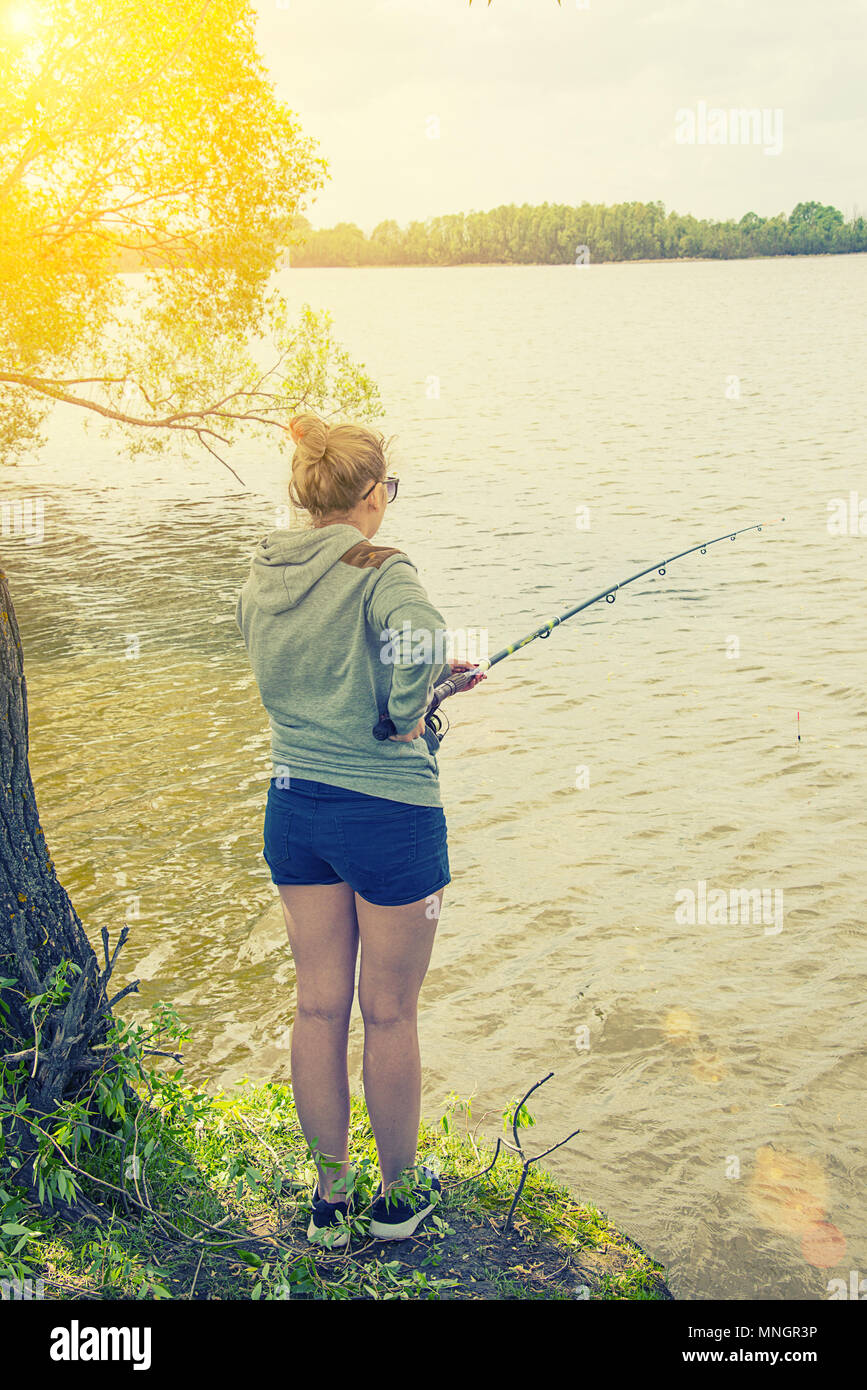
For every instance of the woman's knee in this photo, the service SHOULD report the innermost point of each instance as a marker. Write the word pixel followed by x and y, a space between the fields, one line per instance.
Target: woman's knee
pixel 386 1009
pixel 332 1010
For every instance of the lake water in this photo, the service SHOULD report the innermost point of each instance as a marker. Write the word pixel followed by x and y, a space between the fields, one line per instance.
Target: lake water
pixel 714 1066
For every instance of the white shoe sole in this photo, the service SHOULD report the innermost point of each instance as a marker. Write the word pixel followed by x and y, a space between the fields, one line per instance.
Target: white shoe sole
pixel 382 1230
pixel 316 1233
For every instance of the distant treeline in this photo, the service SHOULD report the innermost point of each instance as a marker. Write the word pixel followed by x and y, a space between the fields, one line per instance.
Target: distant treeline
pixel 551 234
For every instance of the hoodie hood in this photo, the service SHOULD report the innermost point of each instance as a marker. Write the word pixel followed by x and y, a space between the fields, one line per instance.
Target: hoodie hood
pixel 286 564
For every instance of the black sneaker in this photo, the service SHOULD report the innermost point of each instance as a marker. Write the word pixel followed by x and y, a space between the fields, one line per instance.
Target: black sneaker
pixel 397 1218
pixel 324 1217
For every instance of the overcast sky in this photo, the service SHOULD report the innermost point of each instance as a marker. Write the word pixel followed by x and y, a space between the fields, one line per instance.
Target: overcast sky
pixel 537 103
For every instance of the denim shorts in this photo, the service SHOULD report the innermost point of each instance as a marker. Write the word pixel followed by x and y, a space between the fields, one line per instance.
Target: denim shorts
pixel 389 852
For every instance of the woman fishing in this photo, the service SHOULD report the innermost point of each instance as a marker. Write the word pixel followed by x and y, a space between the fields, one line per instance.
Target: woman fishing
pixel 355 833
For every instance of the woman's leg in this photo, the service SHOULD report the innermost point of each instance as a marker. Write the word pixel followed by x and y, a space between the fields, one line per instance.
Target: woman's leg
pixel 323 935
pixel 396 945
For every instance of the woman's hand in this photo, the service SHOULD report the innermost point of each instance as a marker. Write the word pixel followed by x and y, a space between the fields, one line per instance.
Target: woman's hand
pixel 413 733
pixel 459 666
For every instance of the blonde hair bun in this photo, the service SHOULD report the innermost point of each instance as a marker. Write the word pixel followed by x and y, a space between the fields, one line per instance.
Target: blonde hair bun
pixel 310 435
pixel 333 465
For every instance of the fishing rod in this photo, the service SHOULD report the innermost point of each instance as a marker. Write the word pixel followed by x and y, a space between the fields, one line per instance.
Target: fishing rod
pixel 385 728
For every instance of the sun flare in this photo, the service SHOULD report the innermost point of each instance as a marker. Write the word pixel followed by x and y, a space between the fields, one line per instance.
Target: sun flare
pixel 22 19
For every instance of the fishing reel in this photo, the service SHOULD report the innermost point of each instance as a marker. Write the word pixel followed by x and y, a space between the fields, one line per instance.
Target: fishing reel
pixel 437 723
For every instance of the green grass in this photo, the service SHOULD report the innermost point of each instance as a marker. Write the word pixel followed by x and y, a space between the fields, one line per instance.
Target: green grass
pixel 207 1196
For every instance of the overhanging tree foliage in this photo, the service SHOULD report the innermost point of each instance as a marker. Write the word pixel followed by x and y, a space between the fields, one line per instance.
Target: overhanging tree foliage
pixel 152 127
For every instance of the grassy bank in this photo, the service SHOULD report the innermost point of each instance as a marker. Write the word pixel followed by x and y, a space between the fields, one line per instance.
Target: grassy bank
pixel 207 1196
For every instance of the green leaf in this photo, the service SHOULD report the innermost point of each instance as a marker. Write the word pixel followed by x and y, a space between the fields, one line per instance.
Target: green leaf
pixel 249 1258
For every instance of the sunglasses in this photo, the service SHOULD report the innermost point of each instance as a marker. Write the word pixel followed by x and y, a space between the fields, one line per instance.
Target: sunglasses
pixel 390 488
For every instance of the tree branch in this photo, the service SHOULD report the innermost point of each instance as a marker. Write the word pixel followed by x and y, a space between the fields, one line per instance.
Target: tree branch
pixel 60 134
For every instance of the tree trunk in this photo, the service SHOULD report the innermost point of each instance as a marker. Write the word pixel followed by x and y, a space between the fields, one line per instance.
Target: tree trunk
pixel 39 930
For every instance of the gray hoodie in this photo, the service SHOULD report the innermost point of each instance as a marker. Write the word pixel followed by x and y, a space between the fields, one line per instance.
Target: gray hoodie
pixel 316 614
